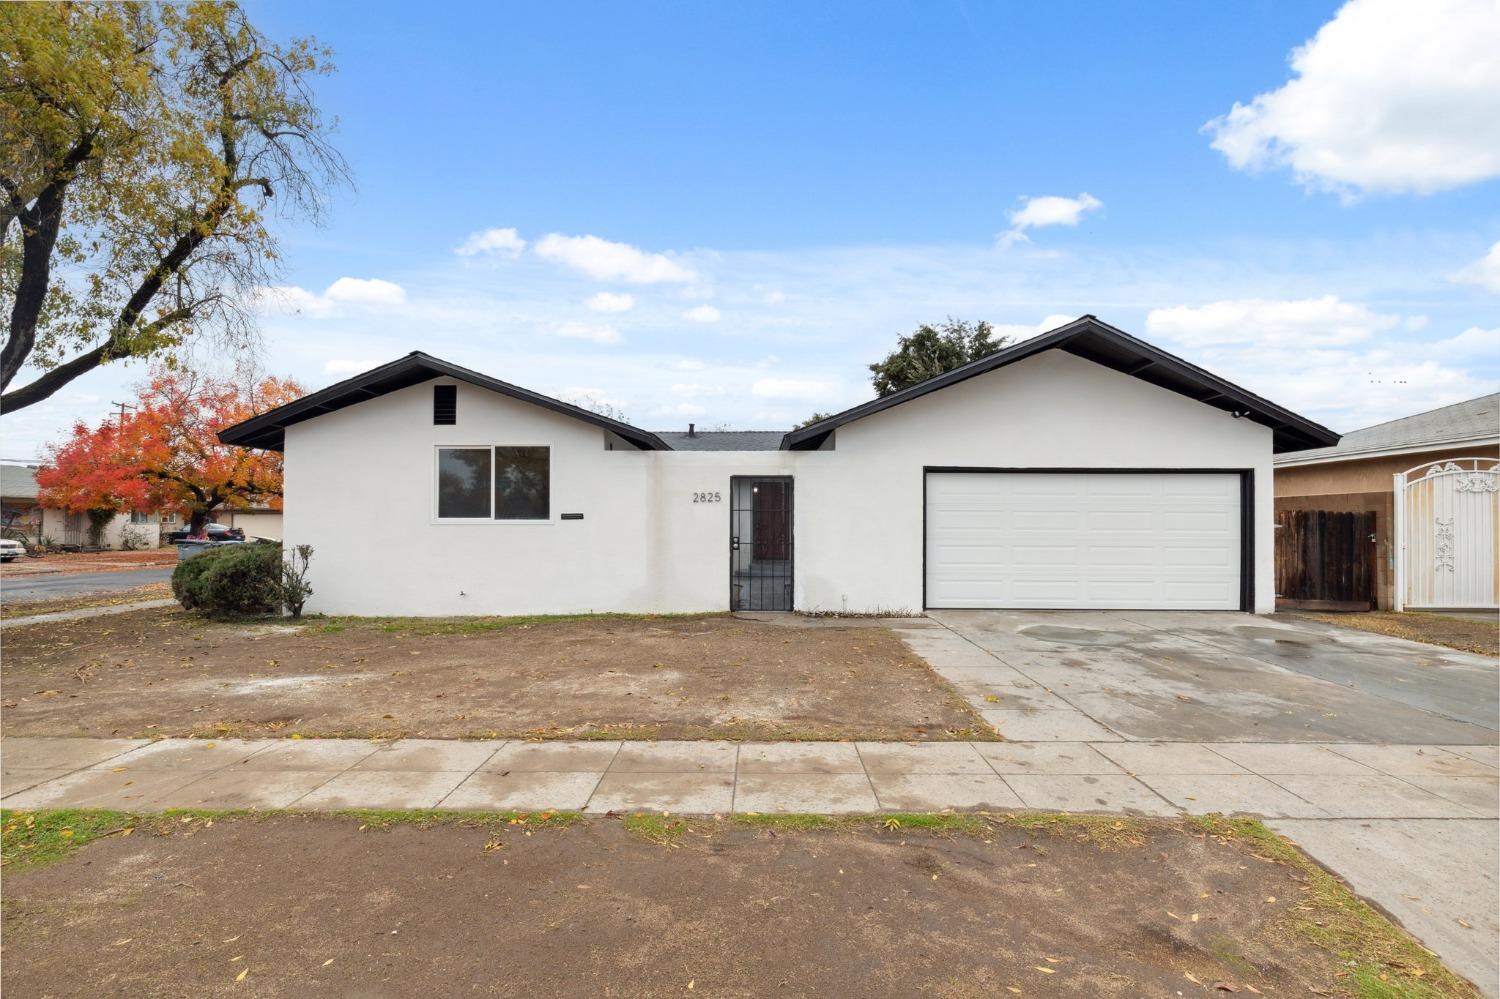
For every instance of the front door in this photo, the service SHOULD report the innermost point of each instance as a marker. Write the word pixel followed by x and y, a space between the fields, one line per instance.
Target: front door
pixel 760 543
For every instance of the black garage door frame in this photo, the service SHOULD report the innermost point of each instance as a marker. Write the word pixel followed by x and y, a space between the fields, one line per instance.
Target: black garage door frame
pixel 1247 509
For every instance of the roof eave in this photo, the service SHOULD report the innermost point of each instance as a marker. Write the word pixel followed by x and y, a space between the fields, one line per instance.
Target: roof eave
pixel 267 431
pixel 1287 426
pixel 1489 440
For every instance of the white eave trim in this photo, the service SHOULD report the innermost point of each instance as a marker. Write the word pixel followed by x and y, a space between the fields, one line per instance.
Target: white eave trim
pixel 1294 459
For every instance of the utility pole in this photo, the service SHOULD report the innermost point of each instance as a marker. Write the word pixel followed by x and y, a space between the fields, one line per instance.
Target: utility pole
pixel 124 406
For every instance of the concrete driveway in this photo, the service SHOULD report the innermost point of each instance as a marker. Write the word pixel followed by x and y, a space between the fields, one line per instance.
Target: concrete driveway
pixel 1212 677
pixel 1247 688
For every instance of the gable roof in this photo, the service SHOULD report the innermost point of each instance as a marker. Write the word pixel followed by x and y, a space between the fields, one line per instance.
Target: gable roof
pixel 723 440
pixel 1475 421
pixel 268 430
pixel 1097 341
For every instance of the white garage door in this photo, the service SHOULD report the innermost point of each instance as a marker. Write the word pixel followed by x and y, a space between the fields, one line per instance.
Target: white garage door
pixel 1157 540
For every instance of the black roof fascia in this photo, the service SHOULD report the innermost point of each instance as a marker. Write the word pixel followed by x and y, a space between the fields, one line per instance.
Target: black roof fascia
pixel 1097 341
pixel 268 430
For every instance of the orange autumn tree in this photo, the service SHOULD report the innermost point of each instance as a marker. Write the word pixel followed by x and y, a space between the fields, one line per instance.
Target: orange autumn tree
pixel 167 455
pixel 83 474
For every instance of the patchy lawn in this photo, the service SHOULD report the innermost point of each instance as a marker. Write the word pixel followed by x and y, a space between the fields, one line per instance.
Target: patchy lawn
pixel 113 598
pixel 163 672
pixel 1461 633
pixel 381 903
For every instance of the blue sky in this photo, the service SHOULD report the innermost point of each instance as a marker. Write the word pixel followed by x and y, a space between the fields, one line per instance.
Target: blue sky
pixel 722 213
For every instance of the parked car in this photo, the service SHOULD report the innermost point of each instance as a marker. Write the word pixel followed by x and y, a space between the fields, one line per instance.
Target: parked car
pixel 11 550
pixel 216 532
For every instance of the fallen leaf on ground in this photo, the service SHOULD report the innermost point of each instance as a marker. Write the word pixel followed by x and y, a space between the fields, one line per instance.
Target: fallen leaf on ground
pixel 1046 971
pixel 241 976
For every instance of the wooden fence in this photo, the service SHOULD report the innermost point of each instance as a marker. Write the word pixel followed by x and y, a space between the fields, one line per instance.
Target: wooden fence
pixel 1325 560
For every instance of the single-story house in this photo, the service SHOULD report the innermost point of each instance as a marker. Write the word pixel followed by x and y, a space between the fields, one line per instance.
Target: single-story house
pixel 20 510
pixel 1082 468
pixel 1388 473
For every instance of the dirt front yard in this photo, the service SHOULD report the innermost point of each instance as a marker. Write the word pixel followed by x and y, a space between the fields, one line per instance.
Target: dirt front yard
pixel 339 906
pixel 167 673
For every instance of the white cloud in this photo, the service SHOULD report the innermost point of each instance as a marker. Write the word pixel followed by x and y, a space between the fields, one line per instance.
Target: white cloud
pixel 696 391
pixel 1309 322
pixel 608 301
pixel 1389 96
pixel 365 291
pixel 793 388
pixel 347 366
pixel 1022 331
pixel 346 291
pixel 687 365
pixel 499 242
pixel 702 314
pixel 291 300
pixel 1049 209
pixel 1484 272
pixel 774 297
pixel 594 332
pixel 1473 342
pixel 680 409
pixel 607 261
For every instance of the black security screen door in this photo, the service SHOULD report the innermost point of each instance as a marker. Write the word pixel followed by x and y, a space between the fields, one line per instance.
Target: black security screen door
pixel 760 543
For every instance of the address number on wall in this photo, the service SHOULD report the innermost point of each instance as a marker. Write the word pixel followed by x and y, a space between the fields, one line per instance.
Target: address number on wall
pixel 706 497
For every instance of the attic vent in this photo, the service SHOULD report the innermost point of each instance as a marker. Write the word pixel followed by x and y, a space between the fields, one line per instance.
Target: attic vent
pixel 444 405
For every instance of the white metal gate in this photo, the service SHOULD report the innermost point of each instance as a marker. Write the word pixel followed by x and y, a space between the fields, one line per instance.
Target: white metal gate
pixel 1448 534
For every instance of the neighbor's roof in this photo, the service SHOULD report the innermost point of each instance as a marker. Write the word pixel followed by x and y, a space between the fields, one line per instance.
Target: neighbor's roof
pixel 723 440
pixel 268 430
pixel 17 481
pixel 1097 341
pixel 1476 421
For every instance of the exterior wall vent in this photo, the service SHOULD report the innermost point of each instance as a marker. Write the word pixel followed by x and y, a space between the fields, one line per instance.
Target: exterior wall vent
pixel 444 405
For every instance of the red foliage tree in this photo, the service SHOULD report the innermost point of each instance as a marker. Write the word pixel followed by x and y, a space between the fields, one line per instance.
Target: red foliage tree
pixel 167 456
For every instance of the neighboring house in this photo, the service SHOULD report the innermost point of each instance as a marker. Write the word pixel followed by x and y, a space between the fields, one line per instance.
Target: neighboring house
pixel 255 521
pixel 21 511
pixel 18 506
pixel 1359 475
pixel 1080 468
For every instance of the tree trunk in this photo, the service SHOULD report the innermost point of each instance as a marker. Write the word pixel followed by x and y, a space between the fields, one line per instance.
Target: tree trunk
pixel 197 519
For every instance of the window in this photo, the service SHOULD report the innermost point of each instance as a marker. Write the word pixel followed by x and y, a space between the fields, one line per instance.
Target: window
pixel 494 483
pixel 137 517
pixel 444 405
pixel 169 518
pixel 521 483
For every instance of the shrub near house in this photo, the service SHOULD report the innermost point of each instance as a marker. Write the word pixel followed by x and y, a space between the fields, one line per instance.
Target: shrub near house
pixel 248 579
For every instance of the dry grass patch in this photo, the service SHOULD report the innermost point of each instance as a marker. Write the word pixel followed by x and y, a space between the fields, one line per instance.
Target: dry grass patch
pixel 1463 634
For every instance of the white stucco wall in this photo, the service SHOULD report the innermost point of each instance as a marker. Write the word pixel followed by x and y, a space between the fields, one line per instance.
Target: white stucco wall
pixel 360 488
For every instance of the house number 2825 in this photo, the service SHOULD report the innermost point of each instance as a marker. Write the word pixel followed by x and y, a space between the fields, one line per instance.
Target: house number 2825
pixel 705 497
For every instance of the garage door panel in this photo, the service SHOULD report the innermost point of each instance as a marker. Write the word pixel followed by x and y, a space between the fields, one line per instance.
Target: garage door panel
pixel 1083 539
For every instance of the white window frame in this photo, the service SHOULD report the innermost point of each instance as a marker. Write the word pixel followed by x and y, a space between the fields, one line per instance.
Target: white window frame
pixel 437 450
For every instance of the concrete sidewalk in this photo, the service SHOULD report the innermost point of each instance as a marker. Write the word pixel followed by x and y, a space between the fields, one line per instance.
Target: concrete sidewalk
pixel 1413 827
pixel 1293 781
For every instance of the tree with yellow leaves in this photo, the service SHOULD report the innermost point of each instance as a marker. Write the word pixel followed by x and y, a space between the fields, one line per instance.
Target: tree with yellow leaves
pixel 142 147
